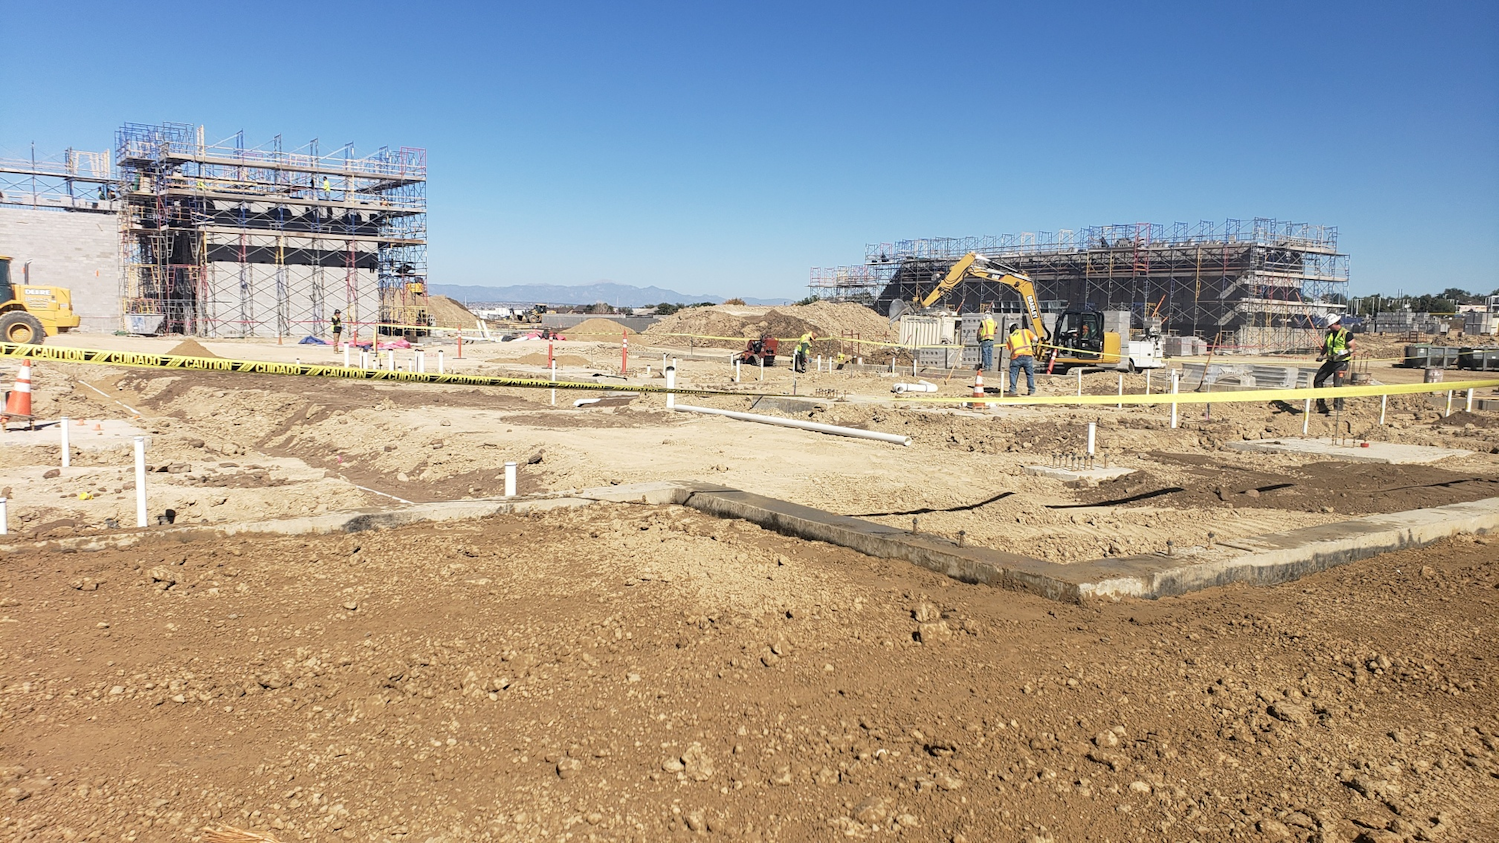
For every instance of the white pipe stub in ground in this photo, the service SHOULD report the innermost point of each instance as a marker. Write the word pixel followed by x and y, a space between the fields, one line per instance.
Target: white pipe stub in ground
pixel 923 386
pixel 894 438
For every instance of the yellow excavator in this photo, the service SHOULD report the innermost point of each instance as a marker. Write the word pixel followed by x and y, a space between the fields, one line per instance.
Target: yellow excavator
pixel 1079 339
pixel 30 314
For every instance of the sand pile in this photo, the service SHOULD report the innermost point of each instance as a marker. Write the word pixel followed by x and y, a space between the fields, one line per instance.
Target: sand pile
pixel 447 313
pixel 191 348
pixel 596 329
pixel 828 319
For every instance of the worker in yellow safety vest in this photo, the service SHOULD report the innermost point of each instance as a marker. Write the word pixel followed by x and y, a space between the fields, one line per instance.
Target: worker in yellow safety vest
pixel 1337 350
pixel 1021 343
pixel 803 351
pixel 987 329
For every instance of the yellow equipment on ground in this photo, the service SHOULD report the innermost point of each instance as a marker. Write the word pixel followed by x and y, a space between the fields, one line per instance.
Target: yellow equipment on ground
pixel 29 313
pixel 1079 339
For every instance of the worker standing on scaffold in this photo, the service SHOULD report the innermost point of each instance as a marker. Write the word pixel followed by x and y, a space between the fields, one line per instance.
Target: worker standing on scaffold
pixel 1337 350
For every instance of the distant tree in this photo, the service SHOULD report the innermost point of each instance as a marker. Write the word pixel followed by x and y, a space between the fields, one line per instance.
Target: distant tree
pixel 810 300
pixel 733 301
pixel 667 309
pixel 1459 295
pixel 698 304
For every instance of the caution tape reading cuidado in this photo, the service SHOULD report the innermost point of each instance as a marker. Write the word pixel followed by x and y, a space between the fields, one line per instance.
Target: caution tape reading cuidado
pixel 1253 395
pixel 261 367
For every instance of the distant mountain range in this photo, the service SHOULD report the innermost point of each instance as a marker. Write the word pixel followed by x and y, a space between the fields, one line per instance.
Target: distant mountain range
pixel 619 295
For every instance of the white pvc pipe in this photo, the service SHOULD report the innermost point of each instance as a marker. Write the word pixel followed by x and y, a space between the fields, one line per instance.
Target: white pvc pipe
pixel 1469 408
pixel 894 438
pixel 1306 417
pixel 736 371
pixel 1175 387
pixel 1147 381
pixel 1449 402
pixel 1384 402
pixel 1092 436
pixel 421 362
pixel 390 360
pixel 67 454
pixel 671 383
pixel 299 361
pixel 1079 383
pixel 913 387
pixel 762 368
pixel 554 380
pixel 346 357
pixel 4 519
pixel 140 481
pixel 1121 390
pixel 509 479
pixel 441 368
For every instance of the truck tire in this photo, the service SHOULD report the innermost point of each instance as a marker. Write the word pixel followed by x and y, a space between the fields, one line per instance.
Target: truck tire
pixel 18 326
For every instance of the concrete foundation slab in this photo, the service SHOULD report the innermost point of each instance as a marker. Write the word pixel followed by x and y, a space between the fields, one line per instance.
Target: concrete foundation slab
pixel 83 435
pixel 1380 452
pixel 1090 476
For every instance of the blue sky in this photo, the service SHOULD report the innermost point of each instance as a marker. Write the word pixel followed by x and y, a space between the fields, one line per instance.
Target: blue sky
pixel 717 148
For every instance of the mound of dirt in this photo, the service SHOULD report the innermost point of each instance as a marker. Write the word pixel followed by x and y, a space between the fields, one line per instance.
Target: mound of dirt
pixel 829 319
pixel 191 348
pixel 597 329
pixel 447 313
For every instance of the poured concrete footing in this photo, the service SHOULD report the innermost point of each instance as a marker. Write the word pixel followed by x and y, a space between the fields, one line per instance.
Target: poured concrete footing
pixel 1091 476
pixel 1259 560
pixel 1352 451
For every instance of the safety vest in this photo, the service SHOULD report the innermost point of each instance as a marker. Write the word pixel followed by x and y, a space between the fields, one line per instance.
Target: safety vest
pixel 804 345
pixel 1336 344
pixel 338 324
pixel 987 328
pixel 1019 343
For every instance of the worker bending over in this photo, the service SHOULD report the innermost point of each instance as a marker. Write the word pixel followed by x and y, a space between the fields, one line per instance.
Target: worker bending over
pixel 1021 343
pixel 1337 350
pixel 987 330
pixel 803 351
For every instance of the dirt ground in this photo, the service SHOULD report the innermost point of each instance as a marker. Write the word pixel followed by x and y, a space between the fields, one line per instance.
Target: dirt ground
pixel 641 673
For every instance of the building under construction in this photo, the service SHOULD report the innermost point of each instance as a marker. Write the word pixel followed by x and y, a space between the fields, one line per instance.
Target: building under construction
pixel 225 240
pixel 1258 285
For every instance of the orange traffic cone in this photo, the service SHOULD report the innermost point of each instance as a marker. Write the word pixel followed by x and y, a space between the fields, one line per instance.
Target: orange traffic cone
pixel 978 389
pixel 18 400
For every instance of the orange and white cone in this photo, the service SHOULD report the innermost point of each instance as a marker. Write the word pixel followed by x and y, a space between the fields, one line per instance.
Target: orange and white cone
pixel 18 400
pixel 978 389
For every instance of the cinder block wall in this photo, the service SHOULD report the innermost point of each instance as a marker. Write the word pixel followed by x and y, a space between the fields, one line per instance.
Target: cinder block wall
pixel 76 250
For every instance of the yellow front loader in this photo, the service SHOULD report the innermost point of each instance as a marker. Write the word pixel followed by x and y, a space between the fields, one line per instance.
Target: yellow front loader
pixel 29 313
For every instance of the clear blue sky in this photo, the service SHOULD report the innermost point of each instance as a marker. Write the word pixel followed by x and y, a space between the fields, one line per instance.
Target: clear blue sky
pixel 727 148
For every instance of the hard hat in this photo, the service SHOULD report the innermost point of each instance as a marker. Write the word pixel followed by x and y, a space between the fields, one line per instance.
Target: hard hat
pixel 1334 319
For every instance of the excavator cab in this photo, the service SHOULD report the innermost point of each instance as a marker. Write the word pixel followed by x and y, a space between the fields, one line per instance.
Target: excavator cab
pixel 1080 335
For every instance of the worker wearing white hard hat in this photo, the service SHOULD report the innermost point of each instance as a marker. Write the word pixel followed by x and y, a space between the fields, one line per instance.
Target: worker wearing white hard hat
pixel 1337 350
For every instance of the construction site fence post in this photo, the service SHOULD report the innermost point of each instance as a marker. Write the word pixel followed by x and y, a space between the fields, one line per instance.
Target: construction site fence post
pixel 762 368
pixel 671 383
pixel 1449 402
pixel 140 481
pixel 1175 388
pixel 736 370
pixel 1384 403
pixel 346 357
pixel 67 455
pixel 1121 390
pixel 1306 417
pixel 421 361
pixel 1092 436
pixel 441 368
pixel 509 479
pixel 1469 407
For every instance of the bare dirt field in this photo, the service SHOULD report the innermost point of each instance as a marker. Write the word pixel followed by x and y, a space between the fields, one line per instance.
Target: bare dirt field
pixel 633 673
pixel 644 673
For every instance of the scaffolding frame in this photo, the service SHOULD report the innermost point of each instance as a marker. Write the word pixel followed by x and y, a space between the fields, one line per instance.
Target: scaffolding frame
pixel 73 181
pixel 1260 284
pixel 224 240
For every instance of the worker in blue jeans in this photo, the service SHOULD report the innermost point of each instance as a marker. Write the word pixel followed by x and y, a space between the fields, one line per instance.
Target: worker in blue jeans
pixel 1021 343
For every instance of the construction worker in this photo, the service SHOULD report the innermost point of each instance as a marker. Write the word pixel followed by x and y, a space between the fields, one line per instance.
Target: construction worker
pixel 1337 350
pixel 327 188
pixel 803 351
pixel 987 329
pixel 1021 343
pixel 337 324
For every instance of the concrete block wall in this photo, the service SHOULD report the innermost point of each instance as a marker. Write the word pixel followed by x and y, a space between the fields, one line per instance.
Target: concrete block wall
pixel 77 250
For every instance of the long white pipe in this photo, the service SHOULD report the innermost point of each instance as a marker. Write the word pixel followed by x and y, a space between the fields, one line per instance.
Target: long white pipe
pixel 140 481
pixel 894 438
pixel 67 455
pixel 509 479
pixel 913 387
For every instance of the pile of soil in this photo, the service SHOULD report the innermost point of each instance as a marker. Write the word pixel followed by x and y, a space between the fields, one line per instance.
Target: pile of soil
pixel 597 329
pixel 828 319
pixel 447 313
pixel 191 348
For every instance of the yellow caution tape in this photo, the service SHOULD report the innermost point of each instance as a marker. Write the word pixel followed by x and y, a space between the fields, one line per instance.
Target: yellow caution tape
pixel 262 367
pixel 1246 396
